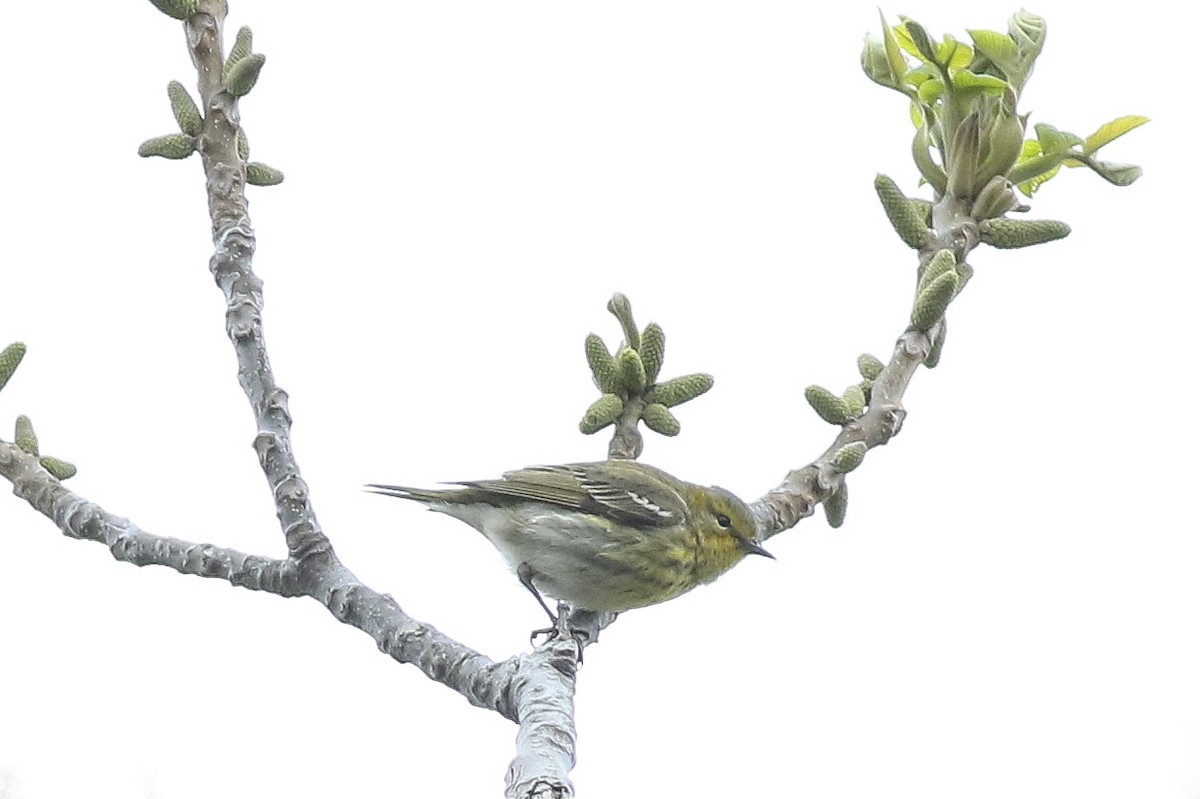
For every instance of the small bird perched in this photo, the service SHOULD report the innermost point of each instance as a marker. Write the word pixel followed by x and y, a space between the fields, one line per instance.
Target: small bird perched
pixel 607 536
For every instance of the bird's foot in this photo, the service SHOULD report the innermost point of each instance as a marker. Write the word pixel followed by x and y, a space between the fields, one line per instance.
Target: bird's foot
pixel 562 629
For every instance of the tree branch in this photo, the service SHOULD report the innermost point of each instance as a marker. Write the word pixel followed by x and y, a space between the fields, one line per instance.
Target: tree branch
pixel 803 489
pixel 535 690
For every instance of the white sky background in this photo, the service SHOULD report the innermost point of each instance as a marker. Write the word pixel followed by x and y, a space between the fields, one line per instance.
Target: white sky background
pixel 1011 609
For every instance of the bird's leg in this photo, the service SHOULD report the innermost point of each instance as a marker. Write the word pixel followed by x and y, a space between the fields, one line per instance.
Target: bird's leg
pixel 559 622
pixel 525 575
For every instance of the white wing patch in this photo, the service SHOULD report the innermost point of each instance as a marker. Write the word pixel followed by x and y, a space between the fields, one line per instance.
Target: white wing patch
pixel 648 505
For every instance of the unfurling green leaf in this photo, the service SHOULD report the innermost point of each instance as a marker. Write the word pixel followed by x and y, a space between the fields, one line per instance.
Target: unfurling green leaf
pixel 932 301
pixel 855 399
pixel 653 344
pixel 931 91
pixel 835 506
pixel 244 74
pixel 935 347
pixel 10 359
pixel 988 84
pixel 940 264
pixel 179 9
pixel 954 55
pixel 922 45
pixel 964 158
pixel 25 438
pixel 995 199
pixel 828 406
pixel 1112 130
pixel 259 174
pixel 243 45
pixel 897 64
pixel 997 48
pixel 680 389
pixel 59 469
pixel 1028 30
pixel 619 307
pixel 660 420
pixel 174 146
pixel 933 173
pixel 883 62
pixel 1008 234
pixel 602 364
pixel 1116 174
pixel 874 62
pixel 631 370
pixel 601 414
pixel 908 222
pixel 243 144
pixel 1054 141
pixel 184 108
pixel 1046 166
pixel 849 457
pixel 869 366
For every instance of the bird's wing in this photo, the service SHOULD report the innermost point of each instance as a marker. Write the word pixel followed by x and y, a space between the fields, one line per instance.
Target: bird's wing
pixel 632 495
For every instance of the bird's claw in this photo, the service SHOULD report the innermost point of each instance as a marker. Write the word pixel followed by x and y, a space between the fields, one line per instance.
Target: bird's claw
pixel 562 629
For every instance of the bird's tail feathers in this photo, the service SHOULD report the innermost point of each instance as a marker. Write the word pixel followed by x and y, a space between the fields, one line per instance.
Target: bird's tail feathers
pixel 404 492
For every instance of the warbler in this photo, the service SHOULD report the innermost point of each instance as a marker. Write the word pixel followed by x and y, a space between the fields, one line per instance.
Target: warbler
pixel 607 536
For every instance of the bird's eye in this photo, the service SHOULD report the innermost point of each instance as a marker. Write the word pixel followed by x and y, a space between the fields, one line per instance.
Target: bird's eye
pixel 723 521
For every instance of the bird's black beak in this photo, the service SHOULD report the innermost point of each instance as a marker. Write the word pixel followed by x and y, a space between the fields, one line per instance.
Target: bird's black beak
pixel 754 548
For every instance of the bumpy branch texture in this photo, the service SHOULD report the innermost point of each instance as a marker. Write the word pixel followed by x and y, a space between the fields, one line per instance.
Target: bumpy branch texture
pixel 535 690
pixel 803 489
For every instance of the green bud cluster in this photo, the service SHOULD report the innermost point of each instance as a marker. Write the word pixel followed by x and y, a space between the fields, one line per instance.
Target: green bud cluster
pixel 24 437
pixel 835 506
pixel 933 300
pixel 58 468
pixel 828 405
pixel 869 366
pixel 855 399
pixel 240 73
pixel 243 74
pixel 601 413
pixel 660 420
pixel 849 457
pixel 651 349
pixel 1008 234
pixel 942 262
pixel 174 146
pixel 679 390
pixel 632 374
pixel 909 219
pixel 10 359
pixel 939 283
pixel 243 46
pixel 184 108
pixel 631 371
pixel 262 175
pixel 602 363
